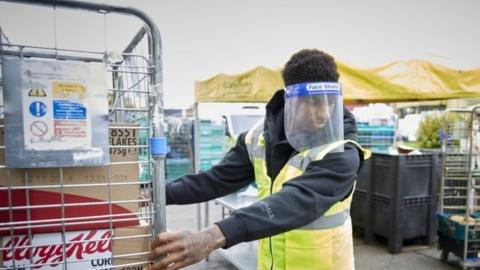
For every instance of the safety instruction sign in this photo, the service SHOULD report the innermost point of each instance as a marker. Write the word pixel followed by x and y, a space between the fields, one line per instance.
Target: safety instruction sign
pixel 61 106
pixel 60 119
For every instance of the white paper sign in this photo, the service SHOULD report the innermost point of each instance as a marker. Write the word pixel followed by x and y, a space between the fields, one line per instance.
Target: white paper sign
pixel 56 113
pixel 58 99
pixel 83 250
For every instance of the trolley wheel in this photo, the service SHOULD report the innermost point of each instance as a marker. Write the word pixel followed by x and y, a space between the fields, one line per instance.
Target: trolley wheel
pixel 444 255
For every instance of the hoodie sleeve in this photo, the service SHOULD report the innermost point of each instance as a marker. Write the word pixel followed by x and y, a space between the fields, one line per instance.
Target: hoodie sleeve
pixel 232 173
pixel 301 200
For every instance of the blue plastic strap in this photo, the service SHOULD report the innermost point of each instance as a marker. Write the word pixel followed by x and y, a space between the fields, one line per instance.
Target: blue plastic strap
pixel 158 146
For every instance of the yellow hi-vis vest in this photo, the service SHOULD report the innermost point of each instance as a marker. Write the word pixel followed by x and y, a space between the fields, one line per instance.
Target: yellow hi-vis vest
pixel 327 242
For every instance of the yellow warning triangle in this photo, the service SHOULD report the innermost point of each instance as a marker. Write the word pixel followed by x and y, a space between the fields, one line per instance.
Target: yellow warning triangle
pixel 37 93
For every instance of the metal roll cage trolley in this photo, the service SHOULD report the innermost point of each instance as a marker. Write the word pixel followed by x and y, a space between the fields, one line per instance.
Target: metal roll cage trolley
pixel 459 217
pixel 135 109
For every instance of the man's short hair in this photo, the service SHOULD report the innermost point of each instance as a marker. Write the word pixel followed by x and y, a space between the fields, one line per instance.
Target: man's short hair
pixel 310 65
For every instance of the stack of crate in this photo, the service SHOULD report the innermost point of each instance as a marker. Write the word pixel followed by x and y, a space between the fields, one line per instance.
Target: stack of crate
pixel 211 143
pixel 178 162
pixel 177 167
pixel 144 153
pixel 376 137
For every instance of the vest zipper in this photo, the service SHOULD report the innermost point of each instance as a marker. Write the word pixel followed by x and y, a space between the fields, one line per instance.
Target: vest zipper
pixel 271 252
pixel 270 238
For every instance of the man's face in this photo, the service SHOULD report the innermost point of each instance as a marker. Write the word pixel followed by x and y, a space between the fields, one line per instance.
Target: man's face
pixel 316 114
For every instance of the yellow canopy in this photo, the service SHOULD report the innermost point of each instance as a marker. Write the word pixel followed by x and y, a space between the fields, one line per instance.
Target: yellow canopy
pixel 399 81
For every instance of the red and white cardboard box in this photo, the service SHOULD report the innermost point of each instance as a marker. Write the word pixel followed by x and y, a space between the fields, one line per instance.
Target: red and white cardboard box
pixel 93 213
pixel 90 249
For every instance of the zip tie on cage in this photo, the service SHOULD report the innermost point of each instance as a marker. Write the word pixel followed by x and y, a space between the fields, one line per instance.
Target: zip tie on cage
pixel 113 58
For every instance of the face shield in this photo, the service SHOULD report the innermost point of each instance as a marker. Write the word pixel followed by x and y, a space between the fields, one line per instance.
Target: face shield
pixel 313 114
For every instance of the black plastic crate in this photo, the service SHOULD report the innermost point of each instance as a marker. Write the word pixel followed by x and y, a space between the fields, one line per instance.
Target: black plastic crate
pixel 361 198
pixel 400 198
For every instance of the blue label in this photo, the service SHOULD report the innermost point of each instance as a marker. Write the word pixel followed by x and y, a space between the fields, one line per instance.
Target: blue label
pixel 313 89
pixel 67 110
pixel 38 108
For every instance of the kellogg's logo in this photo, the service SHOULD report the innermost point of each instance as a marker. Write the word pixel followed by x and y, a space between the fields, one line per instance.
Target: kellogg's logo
pixel 85 245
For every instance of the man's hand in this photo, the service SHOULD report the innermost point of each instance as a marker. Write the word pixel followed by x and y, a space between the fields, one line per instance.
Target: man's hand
pixel 179 249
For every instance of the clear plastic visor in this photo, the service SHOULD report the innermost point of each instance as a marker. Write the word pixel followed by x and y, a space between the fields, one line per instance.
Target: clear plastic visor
pixel 313 114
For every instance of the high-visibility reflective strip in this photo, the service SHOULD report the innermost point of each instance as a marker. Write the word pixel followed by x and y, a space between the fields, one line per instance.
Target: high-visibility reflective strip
pixel 261 139
pixel 258 152
pixel 331 147
pixel 256 149
pixel 250 136
pixel 253 136
pixel 298 162
pixel 303 159
pixel 326 222
pixel 256 146
pixel 259 147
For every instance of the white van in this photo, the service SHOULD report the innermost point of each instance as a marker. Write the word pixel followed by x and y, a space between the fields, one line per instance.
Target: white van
pixel 241 119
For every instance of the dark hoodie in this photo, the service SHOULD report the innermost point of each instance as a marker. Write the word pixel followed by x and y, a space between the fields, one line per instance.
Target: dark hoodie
pixel 301 200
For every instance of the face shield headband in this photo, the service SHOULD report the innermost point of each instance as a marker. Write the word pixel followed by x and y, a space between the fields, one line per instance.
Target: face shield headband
pixel 313 89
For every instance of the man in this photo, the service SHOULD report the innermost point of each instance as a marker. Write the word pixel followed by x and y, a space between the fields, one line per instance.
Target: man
pixel 305 172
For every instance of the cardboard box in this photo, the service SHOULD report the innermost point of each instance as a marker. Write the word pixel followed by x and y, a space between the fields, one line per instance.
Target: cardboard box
pixel 124 247
pixel 84 249
pixel 91 196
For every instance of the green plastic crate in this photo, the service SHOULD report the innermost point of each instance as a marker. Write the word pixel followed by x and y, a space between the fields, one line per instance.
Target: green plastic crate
pixel 455 230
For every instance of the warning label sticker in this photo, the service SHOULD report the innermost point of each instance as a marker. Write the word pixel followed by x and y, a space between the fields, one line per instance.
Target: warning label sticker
pixel 68 90
pixel 37 93
pixel 39 128
pixel 75 129
pixel 38 109
pixel 65 109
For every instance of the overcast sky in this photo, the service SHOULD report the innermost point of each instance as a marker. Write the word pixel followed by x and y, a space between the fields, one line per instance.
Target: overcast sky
pixel 204 38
